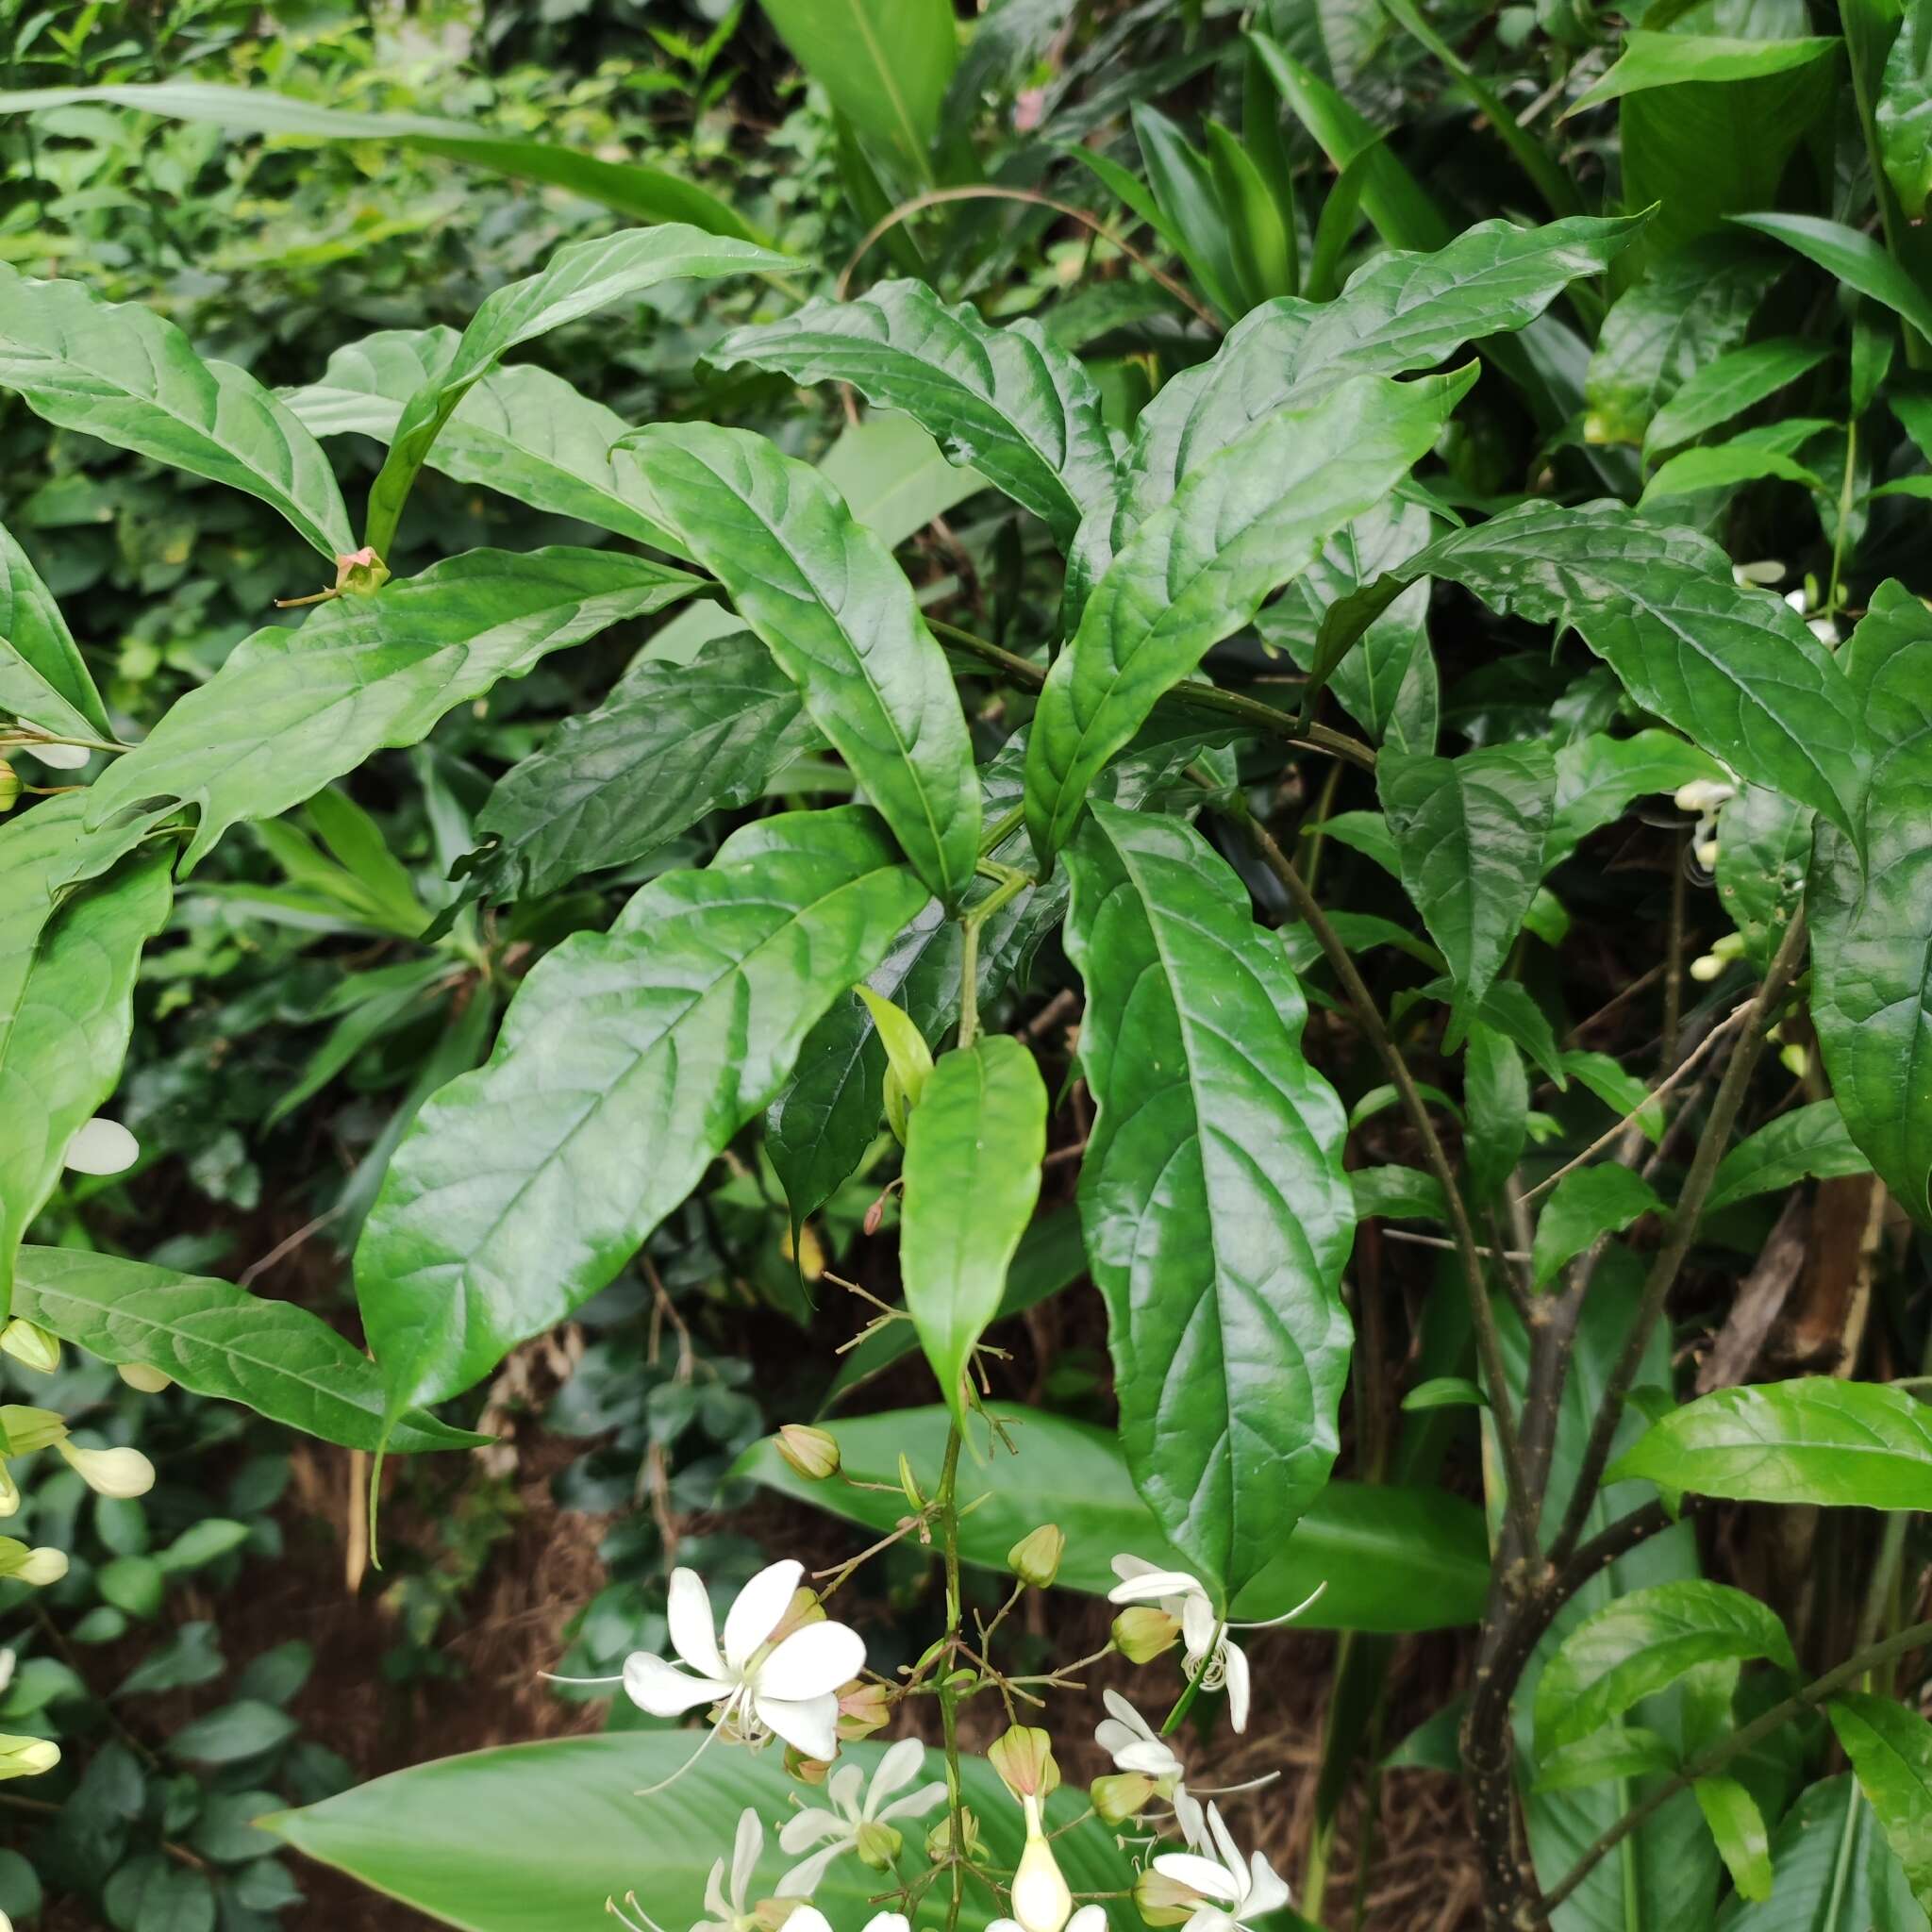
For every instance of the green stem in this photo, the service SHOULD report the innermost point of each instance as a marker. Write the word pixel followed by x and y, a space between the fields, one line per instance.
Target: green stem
pixel 948 1506
pixel 1009 888
pixel 1844 516
pixel 1185 1701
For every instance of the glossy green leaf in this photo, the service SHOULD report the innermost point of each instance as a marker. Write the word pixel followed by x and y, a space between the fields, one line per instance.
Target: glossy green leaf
pixel 1009 401
pixel 1737 1826
pixel 839 616
pixel 1469 833
pixel 37 846
pixel 973 1145
pixel 1394 1559
pixel 1634 1647
pixel 1444 1392
pixel 1726 387
pixel 1851 258
pixel 1625 1751
pixel 909 1059
pixel 217 1340
pixel 1763 847
pixel 1495 1093
pixel 627 1060
pixel 1604 1199
pixel 1723 466
pixel 670 744
pixel 1198 569
pixel 1831 1872
pixel 1903 113
pixel 1861 1445
pixel 1669 60
pixel 44 678
pixel 118 371
pixel 1397 1194
pixel 1809 1143
pixel 1600 777
pixel 1890 1749
pixel 1622 1092
pixel 293 706
pixel 1218 1216
pixel 579 279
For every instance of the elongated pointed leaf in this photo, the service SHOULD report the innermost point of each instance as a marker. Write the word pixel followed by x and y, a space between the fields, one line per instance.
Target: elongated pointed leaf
pixel 1831 1872
pixel 1199 568
pixel 1496 1093
pixel 973 1151
pixel 1628 1751
pixel 1600 777
pixel 839 616
pixel 218 1339
pixel 1218 1216
pixel 1729 386
pixel 295 707
pixel 1852 257
pixel 1737 1826
pixel 42 676
pixel 1890 1749
pixel 1809 1143
pixel 579 279
pixel 627 1060
pixel 120 371
pixel 1470 832
pixel 671 742
pixel 1813 1441
pixel 1009 401
pixel 1903 115
pixel 1604 1199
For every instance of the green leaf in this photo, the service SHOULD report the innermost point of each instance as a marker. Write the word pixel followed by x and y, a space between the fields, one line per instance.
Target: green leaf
pixel 1470 832
pixel 217 1340
pixel 1862 1444
pixel 531 1838
pixel 1604 1199
pixel 1218 1216
pixel 670 744
pixel 1623 1094
pixel 1495 1092
pixel 1890 1749
pixel 576 281
pixel 117 371
pixel 1733 667
pixel 1871 930
pixel 1626 1751
pixel 1196 225
pixel 1394 1559
pixel 1444 1392
pixel 1670 59
pixel 1902 114
pixel 839 616
pixel 1397 1194
pixel 1721 466
pixel 627 1060
pixel 1737 1826
pixel 1850 258
pixel 1763 846
pixel 1600 777
pixel 1831 1872
pixel 1199 568
pixel 973 1145
pixel 44 678
pixel 1807 1143
pixel 1729 386
pixel 1008 400
pixel 909 1059
pixel 1637 1645
pixel 246 1728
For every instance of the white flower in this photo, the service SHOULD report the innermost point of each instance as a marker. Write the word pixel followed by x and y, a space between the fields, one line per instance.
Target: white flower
pixel 102 1146
pixel 122 1473
pixel 789 1688
pixel 732 1911
pixel 841 1827
pixel 1087 1919
pixel 809 1919
pixel 1231 1893
pixel 1132 1742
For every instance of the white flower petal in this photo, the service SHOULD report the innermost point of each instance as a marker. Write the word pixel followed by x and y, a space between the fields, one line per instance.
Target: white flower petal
pixel 715 1899
pixel 1204 1875
pixel 1149 1586
pixel 896 1769
pixel 1004 1925
pixel 810 1724
pixel 843 1788
pixel 745 1854
pixel 1126 1566
pixel 1236 1662
pixel 887 1922
pixel 916 1803
pixel 1191 1818
pixel 1113 1737
pixel 663 1689
pixel 1198 1625
pixel 811 1827
pixel 693 1629
pixel 806 1918
pixel 813 1660
pixel 806 1876
pixel 755 1610
pixel 1124 1713
pixel 1088 1919
pixel 1267 1889
pixel 1227 1851
pixel 1149 1757
pixel 102 1146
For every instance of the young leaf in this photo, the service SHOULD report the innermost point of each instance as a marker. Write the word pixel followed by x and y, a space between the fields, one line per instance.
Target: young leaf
pixel 295 707
pixel 1860 1445
pixel 1218 1216
pixel 1397 1194
pixel 1890 1749
pixel 1604 1199
pixel 577 281
pixel 973 1147
pixel 1809 1143
pixel 1469 831
pixel 1729 386
pixel 839 616
pixel 909 1059
pixel 1737 1826
pixel 1638 1644
pixel 1627 1751
pixel 1009 401
pixel 1496 1093
pixel 1199 568
pixel 44 678
pixel 117 371
pixel 217 1340
pixel 627 1060
pixel 1599 778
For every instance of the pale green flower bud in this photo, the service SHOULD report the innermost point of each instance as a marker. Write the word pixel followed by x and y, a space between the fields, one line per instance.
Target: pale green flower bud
pixel 37 1567
pixel 28 1429
pixel 27 1757
pixel 122 1473
pixel 1023 1758
pixel 31 1346
pixel 149 1381
pixel 1036 1557
pixel 102 1146
pixel 9 786
pixel 1163 1900
pixel 939 1839
pixel 1120 1795
pixel 1143 1631
pixel 879 1844
pixel 813 1452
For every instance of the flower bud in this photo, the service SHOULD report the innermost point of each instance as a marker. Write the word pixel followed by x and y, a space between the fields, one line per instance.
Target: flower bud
pixel 122 1473
pixel 1706 968
pixel 910 1483
pixel 1023 1758
pixel 863 1708
pixel 877 1844
pixel 360 573
pixel 1704 795
pixel 807 1771
pixel 149 1381
pixel 102 1146
pixel 9 786
pixel 30 1758
pixel 1041 1900
pixel 9 1492
pixel 1163 1900
pixel 1036 1557
pixel 37 1567
pixel 938 1839
pixel 813 1452
pixel 1120 1795
pixel 28 1429
pixel 32 1347
pixel 1796 1059
pixel 1143 1631
pixel 1705 852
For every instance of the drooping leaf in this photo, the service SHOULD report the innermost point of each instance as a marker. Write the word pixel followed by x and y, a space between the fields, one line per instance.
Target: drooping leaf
pixel 839 616
pixel 1199 568
pixel 123 373
pixel 1851 258
pixel 627 1060
pixel 1890 1749
pixel 1763 847
pixel 1600 777
pixel 1902 114
pixel 1218 1216
pixel 1831 1872
pixel 44 678
pixel 1737 1826
pixel 1809 1143
pixel 579 279
pixel 1599 1200
pixel 1009 401
pixel 295 707
pixel 973 1145
pixel 1862 1444
pixel 1394 1559
pixel 1726 387
pixel 1496 1093
pixel 217 1340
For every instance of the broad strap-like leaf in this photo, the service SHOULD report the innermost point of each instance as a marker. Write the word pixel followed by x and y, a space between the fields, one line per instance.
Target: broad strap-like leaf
pixel 1218 1216
pixel 579 279
pixel 839 616
pixel 120 371
pixel 1820 1441
pixel 1600 777
pixel 1871 929
pixel 974 1147
pixel 1890 1749
pixel 626 1062
pixel 671 742
pixel 218 1339
pixel 1469 833
pixel 1009 401
pixel 1809 1143
pixel 44 678
pixel 295 707
pixel 1593 1201
pixel 1198 569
